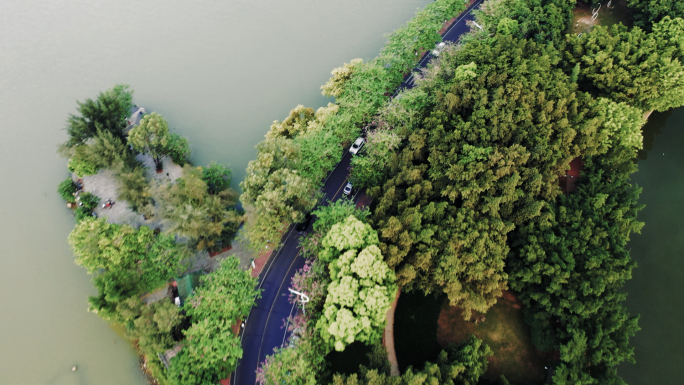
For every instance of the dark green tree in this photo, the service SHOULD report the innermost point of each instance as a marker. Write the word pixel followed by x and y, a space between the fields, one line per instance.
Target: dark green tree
pixel 569 265
pixel 107 113
pixel 641 69
pixel 647 12
pixel 484 159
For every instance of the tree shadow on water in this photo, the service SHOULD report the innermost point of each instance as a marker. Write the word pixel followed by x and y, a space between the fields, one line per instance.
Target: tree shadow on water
pixel 654 127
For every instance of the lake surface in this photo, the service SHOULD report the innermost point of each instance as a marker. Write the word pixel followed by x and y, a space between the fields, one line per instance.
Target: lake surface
pixel 219 71
pixel 655 292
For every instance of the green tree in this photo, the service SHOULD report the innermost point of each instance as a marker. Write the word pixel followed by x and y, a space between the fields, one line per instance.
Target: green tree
pixel 179 149
pixel 107 113
pixel 483 159
pixel 217 177
pixel 643 70
pixel 152 137
pixel 124 260
pixel 463 364
pixel 622 124
pixel 374 166
pixel 66 190
pixel 335 85
pixel 211 350
pixel 569 266
pixel 362 286
pixel 647 12
pixel 208 220
pixel 104 150
pixel 150 325
pixel 135 189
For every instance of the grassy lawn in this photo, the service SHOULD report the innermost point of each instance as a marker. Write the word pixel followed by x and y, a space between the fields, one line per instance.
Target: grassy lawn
pixel 415 329
pixel 506 333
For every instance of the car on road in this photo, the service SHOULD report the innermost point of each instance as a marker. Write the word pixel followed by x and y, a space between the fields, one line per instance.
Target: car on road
pixel 354 149
pixel 347 189
pixel 302 226
pixel 439 48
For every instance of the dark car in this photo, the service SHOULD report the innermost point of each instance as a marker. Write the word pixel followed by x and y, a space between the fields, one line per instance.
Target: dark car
pixel 302 226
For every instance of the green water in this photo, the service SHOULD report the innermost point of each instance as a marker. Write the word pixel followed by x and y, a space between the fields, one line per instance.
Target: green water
pixel 655 292
pixel 220 71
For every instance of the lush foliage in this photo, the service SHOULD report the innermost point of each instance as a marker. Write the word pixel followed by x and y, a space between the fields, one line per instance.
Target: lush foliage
pixel 327 216
pixel 125 261
pixel 483 159
pixel 298 153
pixel 178 149
pixel 463 364
pixel 301 362
pixel 152 325
pixel 208 219
pixel 647 12
pixel 211 349
pixel 151 137
pixel 217 178
pixel 540 20
pixel 104 150
pixel 87 202
pixel 641 69
pixel 107 113
pixel 81 166
pixel 66 190
pixel 361 289
pixel 569 266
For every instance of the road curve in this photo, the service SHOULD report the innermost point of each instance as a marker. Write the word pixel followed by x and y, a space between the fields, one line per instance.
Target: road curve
pixel 264 329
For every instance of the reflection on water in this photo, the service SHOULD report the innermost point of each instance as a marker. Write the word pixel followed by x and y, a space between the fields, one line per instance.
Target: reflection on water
pixel 651 129
pixel 658 281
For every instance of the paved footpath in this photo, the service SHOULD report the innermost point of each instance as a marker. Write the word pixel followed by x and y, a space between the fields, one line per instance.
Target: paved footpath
pixel 264 329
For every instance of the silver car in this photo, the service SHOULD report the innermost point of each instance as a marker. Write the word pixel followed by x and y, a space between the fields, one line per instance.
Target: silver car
pixel 439 48
pixel 354 149
pixel 347 189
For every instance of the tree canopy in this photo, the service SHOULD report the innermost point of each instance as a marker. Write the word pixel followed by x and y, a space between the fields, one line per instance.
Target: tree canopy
pixel 647 12
pixel 461 364
pixel 151 137
pixel 207 217
pixel 212 349
pixel 107 113
pixel 362 286
pixel 483 159
pixel 644 70
pixel 124 260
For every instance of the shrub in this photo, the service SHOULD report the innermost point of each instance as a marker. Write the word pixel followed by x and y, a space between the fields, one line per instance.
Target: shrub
pixel 217 177
pixel 67 189
pixel 86 204
pixel 82 167
pixel 179 149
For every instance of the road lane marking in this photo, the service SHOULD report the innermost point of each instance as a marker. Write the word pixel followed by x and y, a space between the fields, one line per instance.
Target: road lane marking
pixel 272 305
pixel 338 190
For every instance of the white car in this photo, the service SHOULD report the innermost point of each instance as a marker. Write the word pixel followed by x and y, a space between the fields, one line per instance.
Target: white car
pixel 347 189
pixel 354 149
pixel 439 48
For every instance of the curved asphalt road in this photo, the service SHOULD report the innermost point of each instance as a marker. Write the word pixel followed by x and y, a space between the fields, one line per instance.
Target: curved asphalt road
pixel 264 329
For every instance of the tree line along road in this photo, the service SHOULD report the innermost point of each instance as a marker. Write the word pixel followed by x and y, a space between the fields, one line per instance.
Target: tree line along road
pixel 264 331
